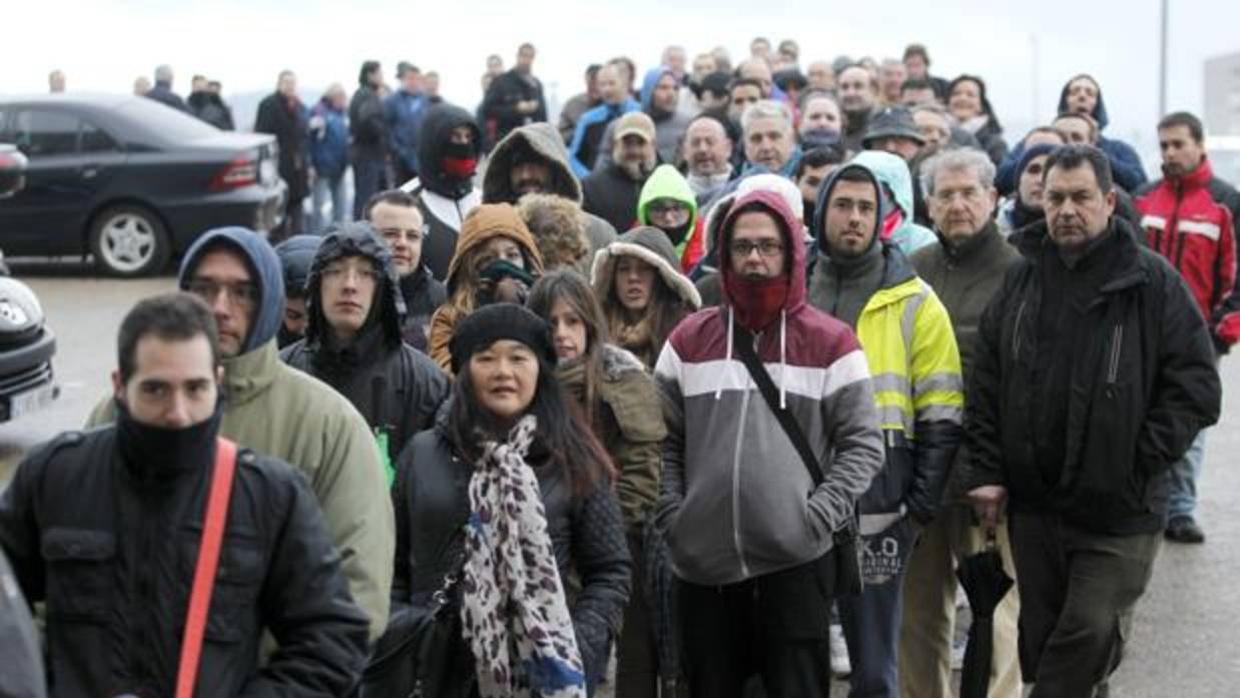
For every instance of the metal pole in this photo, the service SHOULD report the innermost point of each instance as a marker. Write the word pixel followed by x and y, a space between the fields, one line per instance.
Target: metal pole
pixel 1162 62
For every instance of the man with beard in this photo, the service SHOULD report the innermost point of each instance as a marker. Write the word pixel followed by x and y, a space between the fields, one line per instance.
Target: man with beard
pixel 515 98
pixel 283 115
pixel 279 411
pixel 353 340
pixel 707 151
pixel 369 144
pixel 1190 218
pixel 106 526
pixel 612 193
pixel 660 97
pixel 909 345
pixel 398 221
pixel 449 146
pixel 858 98
pixel 531 160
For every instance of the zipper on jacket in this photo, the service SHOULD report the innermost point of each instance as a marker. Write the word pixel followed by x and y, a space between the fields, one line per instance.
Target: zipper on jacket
pixel 1117 339
pixel 1020 312
pixel 736 481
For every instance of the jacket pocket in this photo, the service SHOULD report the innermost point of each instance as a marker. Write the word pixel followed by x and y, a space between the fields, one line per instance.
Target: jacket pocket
pixel 238 582
pixel 892 484
pixel 81 573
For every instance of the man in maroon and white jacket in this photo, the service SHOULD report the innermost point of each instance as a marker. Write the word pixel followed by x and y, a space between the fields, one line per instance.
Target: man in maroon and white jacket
pixel 1190 217
pixel 748 533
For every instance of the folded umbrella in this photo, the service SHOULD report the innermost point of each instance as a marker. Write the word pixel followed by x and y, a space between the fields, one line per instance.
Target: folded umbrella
pixel 985 584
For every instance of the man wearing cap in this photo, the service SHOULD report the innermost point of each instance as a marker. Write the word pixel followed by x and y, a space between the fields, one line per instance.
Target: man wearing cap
pixel 612 192
pixel 894 131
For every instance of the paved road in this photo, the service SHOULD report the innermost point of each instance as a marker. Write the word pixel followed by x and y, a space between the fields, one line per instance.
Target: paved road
pixel 1184 642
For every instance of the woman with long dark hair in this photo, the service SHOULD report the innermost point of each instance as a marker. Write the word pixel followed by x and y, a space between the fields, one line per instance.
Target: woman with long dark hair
pixel 644 295
pixel 620 402
pixel 511 494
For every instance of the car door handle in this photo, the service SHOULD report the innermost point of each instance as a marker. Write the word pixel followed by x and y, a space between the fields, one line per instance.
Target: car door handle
pixel 89 171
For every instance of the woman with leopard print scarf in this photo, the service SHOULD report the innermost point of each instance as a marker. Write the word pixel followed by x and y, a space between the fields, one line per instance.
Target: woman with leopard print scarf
pixel 513 477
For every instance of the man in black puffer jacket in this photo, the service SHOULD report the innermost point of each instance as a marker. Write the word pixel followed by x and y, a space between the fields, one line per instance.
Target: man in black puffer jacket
pixel 1093 371
pixel 353 342
pixel 105 526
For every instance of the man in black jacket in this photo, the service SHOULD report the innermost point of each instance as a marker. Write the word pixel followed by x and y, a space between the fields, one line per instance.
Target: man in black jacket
pixel 612 192
pixel 368 129
pixel 208 106
pixel 516 97
pixel 1093 372
pixel 105 526
pixel 353 342
pixel 284 116
pixel 399 223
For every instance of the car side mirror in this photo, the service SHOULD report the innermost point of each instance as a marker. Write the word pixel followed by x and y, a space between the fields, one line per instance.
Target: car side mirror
pixel 12 170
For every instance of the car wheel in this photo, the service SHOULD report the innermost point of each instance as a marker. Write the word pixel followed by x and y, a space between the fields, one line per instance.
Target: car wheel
pixel 129 241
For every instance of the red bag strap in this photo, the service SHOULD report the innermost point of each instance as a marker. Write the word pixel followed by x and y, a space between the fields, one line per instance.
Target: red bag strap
pixel 208 563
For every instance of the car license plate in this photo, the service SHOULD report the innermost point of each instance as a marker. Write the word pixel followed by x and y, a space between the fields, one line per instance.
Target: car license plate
pixel 31 400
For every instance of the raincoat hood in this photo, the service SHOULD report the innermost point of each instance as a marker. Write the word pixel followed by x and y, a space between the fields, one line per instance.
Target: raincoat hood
pixel 540 140
pixel 891 171
pixel 648 84
pixel 357 239
pixel 666 182
pixel 264 266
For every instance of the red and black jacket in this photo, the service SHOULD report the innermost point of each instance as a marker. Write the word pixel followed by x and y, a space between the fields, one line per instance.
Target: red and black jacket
pixel 1191 221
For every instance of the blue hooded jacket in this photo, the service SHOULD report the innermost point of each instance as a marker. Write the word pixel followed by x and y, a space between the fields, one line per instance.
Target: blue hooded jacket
pixel 591 125
pixel 329 146
pixel 264 266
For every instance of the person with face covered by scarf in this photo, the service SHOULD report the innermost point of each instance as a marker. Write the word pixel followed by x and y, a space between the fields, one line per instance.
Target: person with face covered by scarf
pixel 111 547
pixel 353 340
pixel 748 532
pixel 449 146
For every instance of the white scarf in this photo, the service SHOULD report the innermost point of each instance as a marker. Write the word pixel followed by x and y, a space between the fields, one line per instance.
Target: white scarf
pixel 510 564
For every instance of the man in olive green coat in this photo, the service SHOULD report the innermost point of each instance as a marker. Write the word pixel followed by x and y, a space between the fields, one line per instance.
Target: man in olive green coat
pixel 279 411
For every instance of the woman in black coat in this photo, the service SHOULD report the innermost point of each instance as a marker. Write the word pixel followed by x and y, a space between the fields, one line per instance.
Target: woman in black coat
pixel 512 493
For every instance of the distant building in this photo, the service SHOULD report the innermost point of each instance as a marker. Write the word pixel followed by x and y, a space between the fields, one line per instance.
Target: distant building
pixel 1222 92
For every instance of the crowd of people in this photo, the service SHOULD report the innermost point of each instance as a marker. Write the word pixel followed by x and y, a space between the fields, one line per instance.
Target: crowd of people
pixel 720 377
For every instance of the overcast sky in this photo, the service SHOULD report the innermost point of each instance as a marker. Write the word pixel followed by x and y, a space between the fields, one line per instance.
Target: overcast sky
pixel 103 45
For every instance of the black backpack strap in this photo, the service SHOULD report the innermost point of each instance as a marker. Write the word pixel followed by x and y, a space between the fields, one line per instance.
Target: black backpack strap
pixel 743 344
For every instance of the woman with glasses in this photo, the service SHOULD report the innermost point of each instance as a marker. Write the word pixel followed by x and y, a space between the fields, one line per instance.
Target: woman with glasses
pixel 667 203
pixel 638 282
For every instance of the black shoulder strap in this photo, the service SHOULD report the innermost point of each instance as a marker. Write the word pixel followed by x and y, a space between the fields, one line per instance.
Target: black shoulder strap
pixel 743 343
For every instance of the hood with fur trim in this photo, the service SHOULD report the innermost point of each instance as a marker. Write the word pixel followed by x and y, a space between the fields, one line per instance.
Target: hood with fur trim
pixel 264 266
pixel 650 245
pixel 533 141
pixel 357 239
pixel 559 227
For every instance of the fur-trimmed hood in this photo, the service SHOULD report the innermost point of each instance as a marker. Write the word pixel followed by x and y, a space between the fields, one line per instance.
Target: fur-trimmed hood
pixel 559 227
pixel 650 245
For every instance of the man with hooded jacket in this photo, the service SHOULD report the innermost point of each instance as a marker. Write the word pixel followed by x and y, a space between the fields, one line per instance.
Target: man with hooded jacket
pixel 105 526
pixel 911 351
pixel 532 159
pixel 353 342
pixel 281 412
pixel 449 146
pixel 667 203
pixel 748 533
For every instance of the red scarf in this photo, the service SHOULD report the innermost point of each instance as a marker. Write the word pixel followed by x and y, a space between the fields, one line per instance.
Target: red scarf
pixel 460 168
pixel 756 302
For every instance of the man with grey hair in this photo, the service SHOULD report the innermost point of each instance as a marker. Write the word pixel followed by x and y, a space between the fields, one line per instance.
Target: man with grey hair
pixel 162 91
pixel 769 140
pixel 965 269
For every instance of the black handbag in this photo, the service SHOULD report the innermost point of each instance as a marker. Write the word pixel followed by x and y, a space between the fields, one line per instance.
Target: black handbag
pixel 419 654
pixel 845 541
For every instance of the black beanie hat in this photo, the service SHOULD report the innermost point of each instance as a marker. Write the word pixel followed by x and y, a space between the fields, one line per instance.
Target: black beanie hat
pixel 491 323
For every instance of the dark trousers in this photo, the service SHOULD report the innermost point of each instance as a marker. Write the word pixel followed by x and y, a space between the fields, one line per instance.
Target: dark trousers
pixel 1077 593
pixel 369 178
pixel 774 626
pixel 637 657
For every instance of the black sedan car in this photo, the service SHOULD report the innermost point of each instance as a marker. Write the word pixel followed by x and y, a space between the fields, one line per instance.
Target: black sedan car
pixel 129 181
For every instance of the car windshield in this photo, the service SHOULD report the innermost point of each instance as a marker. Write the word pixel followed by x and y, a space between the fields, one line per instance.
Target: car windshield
pixel 166 123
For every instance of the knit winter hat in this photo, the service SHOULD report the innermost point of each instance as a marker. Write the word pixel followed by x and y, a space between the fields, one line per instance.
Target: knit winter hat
pixel 1032 152
pixel 491 323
